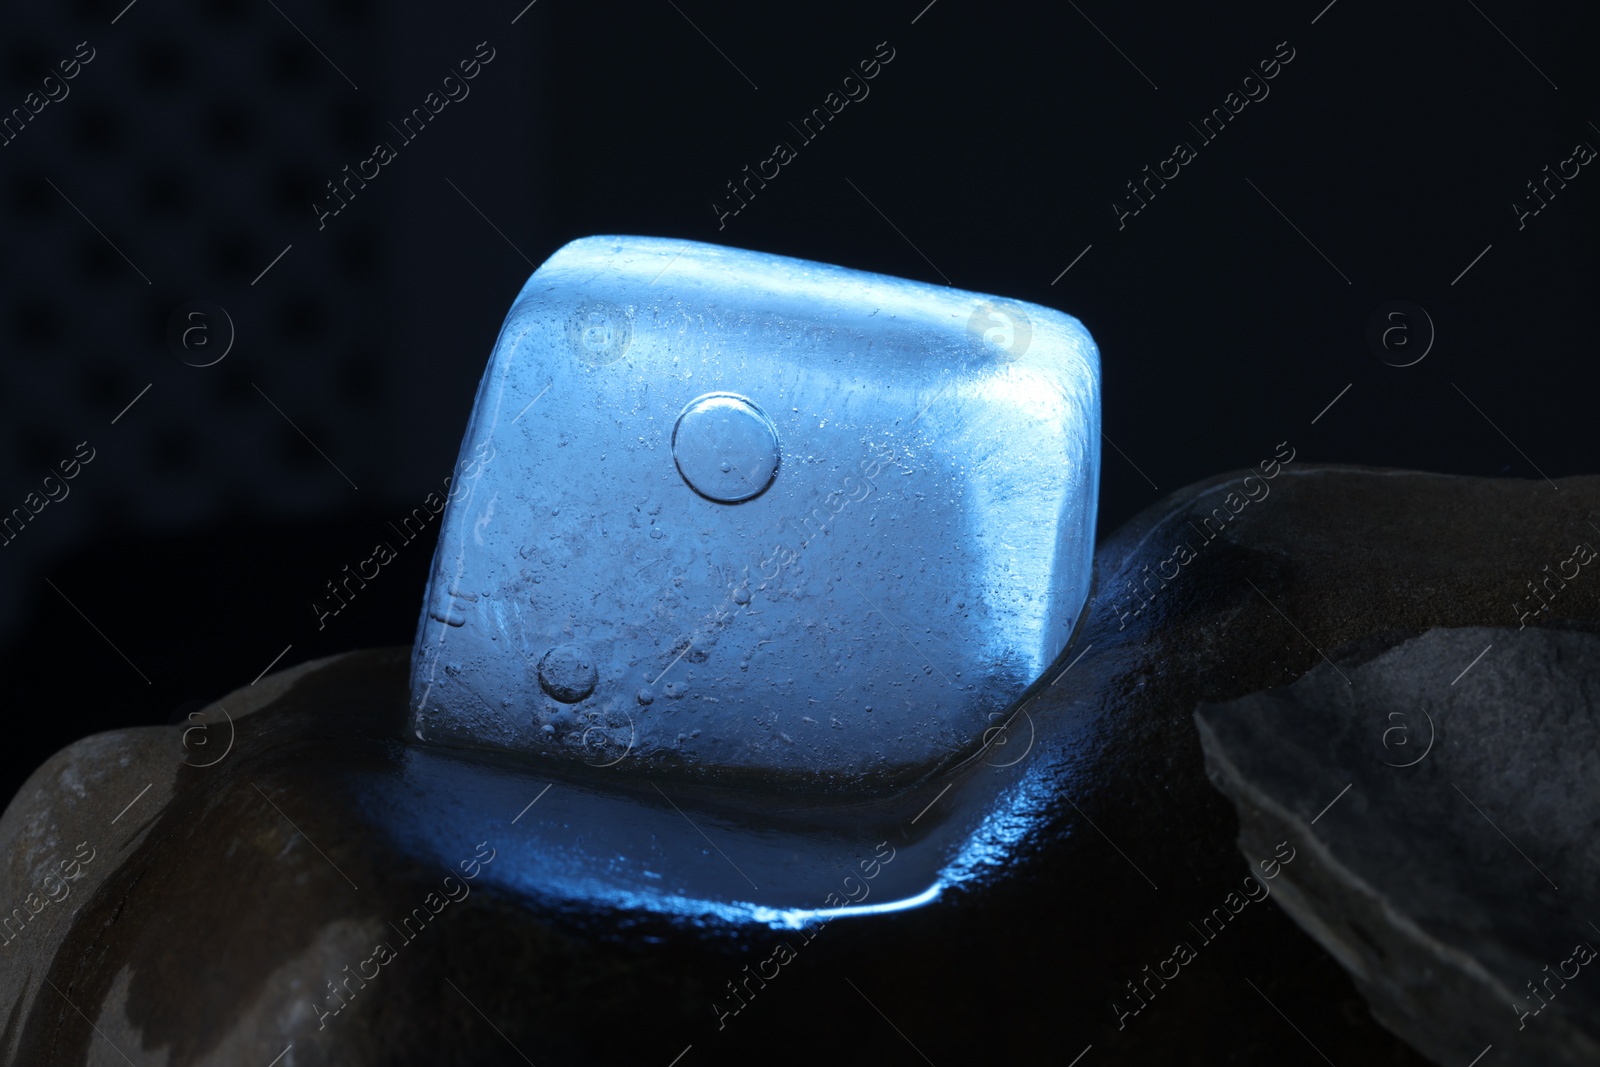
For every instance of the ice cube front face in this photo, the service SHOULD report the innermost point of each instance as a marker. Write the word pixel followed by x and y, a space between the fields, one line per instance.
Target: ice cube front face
pixel 738 516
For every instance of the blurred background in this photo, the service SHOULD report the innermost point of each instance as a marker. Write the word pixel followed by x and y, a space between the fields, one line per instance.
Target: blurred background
pixel 242 458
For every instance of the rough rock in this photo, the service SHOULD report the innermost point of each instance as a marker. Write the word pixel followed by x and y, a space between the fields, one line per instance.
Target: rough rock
pixel 221 904
pixel 1446 796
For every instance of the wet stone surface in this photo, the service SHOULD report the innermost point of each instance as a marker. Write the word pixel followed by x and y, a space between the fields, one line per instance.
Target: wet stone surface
pixel 1448 784
pixel 218 908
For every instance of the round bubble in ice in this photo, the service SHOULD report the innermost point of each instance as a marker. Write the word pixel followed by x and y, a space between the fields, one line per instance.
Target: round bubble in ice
pixel 725 447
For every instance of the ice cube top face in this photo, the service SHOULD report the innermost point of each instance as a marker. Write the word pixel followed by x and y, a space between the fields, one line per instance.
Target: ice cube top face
pixel 741 517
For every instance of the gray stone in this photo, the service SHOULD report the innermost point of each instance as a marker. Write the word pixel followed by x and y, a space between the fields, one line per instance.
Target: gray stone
pixel 1073 850
pixel 1445 791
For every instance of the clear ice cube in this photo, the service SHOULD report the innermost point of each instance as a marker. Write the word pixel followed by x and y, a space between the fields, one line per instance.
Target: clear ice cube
pixel 737 516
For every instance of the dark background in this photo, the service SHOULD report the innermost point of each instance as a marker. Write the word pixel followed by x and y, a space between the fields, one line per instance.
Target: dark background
pixel 190 150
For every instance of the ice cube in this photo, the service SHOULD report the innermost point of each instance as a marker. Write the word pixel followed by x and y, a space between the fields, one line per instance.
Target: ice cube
pixel 726 514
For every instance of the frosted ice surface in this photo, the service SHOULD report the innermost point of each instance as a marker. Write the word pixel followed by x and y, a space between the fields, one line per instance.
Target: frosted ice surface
pixel 729 514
